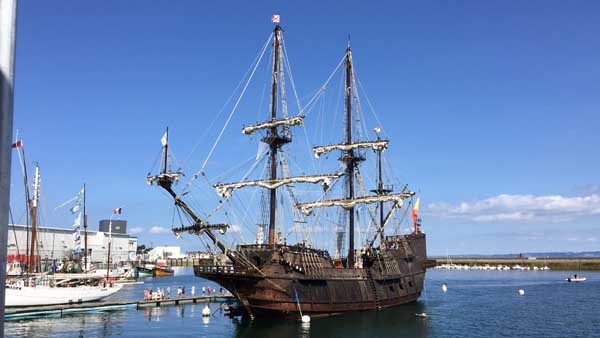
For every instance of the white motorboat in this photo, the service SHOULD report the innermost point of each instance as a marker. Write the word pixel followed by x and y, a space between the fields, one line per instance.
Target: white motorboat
pixel 20 295
pixel 576 278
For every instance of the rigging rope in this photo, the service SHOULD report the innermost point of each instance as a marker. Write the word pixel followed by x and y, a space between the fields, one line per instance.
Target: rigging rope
pixel 306 109
pixel 212 149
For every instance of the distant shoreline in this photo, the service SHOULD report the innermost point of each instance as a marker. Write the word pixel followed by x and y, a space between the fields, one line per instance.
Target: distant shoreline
pixel 570 263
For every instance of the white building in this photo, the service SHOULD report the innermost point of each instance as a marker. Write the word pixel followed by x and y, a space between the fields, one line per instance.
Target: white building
pixel 57 243
pixel 165 252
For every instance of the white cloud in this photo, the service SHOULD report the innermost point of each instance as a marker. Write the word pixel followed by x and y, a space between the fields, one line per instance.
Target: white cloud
pixel 552 208
pixel 136 230
pixel 159 230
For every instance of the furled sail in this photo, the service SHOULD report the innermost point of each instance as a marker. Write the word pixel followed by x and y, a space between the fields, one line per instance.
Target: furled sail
pixel 288 121
pixel 348 203
pixel 376 145
pixel 225 189
pixel 173 176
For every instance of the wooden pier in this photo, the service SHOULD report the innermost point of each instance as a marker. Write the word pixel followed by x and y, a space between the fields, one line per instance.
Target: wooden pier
pixel 60 310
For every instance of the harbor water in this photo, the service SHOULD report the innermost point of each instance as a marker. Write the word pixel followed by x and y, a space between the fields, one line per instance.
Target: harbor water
pixel 476 304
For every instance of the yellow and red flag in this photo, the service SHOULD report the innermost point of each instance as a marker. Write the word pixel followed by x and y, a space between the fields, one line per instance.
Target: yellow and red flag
pixel 415 213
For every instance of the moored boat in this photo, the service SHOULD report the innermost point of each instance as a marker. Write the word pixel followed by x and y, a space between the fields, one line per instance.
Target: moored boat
pixel 20 294
pixel 271 277
pixel 162 271
pixel 144 271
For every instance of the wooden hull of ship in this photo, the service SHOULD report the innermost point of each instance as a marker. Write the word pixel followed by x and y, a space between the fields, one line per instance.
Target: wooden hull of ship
pixel 394 278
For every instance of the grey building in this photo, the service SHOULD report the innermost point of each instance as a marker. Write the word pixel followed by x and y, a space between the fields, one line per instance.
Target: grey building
pixel 114 226
pixel 57 243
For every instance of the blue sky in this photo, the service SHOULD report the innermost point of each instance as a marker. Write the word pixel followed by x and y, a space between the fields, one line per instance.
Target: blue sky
pixel 495 105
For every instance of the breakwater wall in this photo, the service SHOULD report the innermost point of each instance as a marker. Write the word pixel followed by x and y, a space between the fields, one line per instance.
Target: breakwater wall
pixel 553 263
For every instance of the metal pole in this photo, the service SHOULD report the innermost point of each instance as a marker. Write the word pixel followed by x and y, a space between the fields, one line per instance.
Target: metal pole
pixel 109 243
pixel 8 26
pixel 85 226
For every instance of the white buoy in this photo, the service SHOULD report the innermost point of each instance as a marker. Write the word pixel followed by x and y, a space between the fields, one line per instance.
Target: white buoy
pixel 444 287
pixel 421 315
pixel 305 319
pixel 206 311
pixel 521 292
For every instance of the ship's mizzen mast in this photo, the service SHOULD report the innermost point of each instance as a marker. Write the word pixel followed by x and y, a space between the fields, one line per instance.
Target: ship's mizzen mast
pixel 381 190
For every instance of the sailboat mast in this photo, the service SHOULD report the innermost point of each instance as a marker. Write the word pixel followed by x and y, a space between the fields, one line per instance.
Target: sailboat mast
pixel 274 144
pixel 85 246
pixel 27 199
pixel 350 162
pixel 33 211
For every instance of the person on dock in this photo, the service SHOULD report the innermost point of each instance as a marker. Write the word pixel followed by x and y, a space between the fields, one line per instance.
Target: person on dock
pixel 183 291
pixel 178 292
pixel 203 290
pixel 221 290
pixel 193 290
pixel 208 289
pixel 168 292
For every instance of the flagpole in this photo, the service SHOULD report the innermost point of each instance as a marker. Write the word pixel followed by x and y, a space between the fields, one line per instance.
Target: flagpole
pixel 8 26
pixel 109 243
pixel 85 247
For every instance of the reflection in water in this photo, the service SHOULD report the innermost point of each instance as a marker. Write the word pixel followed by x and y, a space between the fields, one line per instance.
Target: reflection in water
pixel 91 324
pixel 393 322
pixel 304 330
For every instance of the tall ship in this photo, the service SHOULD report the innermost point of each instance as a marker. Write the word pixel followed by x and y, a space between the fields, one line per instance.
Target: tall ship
pixel 273 277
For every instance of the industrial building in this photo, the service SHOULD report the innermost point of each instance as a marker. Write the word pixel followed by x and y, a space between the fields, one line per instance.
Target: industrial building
pixel 57 243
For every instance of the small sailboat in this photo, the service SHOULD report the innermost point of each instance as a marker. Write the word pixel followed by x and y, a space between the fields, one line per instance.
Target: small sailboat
pixel 34 289
pixel 37 292
pixel 575 279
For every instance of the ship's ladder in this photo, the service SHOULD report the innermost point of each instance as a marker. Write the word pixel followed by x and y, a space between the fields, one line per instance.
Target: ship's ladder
pixel 373 288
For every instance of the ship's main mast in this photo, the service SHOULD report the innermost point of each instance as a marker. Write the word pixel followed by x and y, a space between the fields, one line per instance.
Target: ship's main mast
pixel 349 157
pixel 274 140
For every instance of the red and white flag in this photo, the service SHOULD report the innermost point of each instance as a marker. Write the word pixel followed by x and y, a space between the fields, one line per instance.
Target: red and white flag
pixel 275 18
pixel 377 130
pixel 117 211
pixel 18 144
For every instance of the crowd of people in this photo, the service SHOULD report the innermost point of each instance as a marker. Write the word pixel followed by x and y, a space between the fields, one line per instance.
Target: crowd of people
pixel 162 293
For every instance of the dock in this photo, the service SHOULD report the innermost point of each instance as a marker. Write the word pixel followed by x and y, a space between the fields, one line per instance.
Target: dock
pixel 63 309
